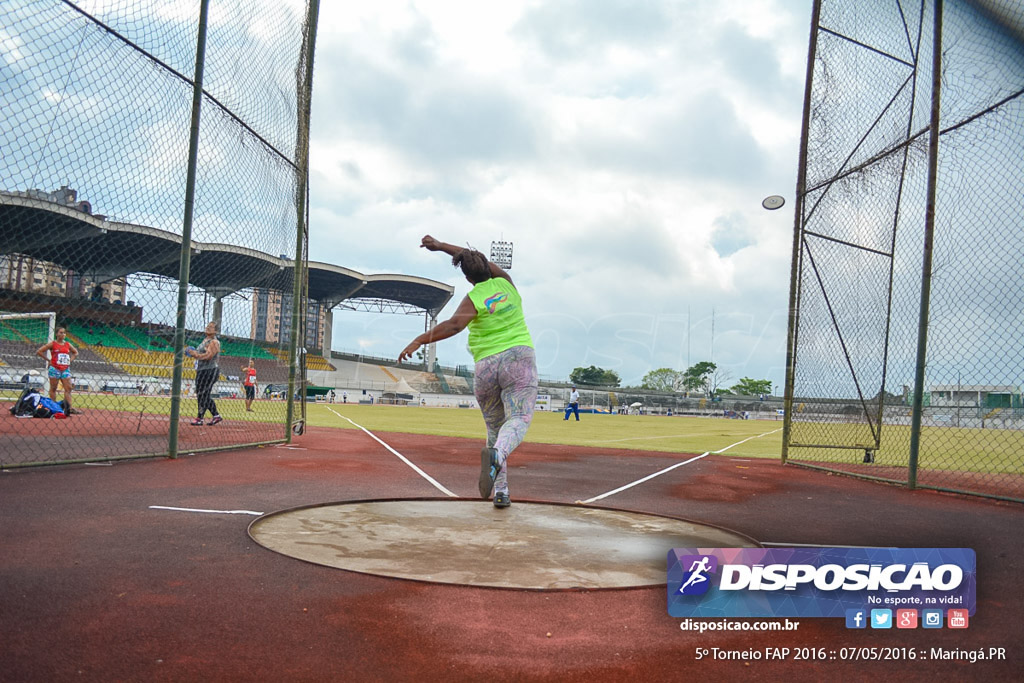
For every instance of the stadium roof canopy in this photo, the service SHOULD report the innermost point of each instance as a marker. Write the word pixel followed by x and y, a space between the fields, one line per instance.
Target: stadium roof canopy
pixel 106 250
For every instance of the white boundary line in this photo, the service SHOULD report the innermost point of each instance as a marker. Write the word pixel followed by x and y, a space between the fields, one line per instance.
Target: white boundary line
pixel 642 438
pixel 217 512
pixel 423 474
pixel 672 467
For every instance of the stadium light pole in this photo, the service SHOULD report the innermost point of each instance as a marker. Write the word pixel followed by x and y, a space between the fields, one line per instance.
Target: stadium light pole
pixel 501 254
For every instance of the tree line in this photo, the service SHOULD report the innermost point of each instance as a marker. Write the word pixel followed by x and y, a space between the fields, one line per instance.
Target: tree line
pixel 704 378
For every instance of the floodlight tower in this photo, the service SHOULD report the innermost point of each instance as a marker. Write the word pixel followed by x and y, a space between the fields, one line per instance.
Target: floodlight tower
pixel 501 254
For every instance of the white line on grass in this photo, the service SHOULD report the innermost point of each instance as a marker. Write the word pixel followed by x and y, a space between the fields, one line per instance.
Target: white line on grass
pixel 645 438
pixel 216 512
pixel 404 459
pixel 672 467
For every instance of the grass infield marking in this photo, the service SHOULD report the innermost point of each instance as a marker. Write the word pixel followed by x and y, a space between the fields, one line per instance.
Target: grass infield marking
pixel 404 459
pixel 672 467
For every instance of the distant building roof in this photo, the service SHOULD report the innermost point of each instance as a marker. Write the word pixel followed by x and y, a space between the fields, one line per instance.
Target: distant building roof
pixel 72 238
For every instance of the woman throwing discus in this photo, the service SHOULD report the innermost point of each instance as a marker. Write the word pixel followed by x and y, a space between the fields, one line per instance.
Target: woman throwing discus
pixel 505 380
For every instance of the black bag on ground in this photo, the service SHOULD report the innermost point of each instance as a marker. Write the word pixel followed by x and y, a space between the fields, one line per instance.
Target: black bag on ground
pixel 26 404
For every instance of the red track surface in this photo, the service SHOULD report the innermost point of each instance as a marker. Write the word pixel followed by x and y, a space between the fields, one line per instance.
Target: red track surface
pixel 97 586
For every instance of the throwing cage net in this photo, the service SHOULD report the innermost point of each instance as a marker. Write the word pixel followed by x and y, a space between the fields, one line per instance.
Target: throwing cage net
pixel 907 307
pixel 153 180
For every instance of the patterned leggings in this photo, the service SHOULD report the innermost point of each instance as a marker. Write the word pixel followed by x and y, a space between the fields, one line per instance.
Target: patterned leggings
pixel 505 385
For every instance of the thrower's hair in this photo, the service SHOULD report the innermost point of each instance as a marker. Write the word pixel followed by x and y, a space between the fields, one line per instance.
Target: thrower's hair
pixel 474 265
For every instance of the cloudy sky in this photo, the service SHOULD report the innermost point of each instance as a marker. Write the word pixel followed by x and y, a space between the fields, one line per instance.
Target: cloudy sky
pixel 624 147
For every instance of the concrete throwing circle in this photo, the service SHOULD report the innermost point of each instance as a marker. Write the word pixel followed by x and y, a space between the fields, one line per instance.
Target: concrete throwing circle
pixel 538 546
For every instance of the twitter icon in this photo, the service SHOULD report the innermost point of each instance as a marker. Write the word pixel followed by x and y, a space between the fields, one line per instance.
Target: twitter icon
pixel 881 618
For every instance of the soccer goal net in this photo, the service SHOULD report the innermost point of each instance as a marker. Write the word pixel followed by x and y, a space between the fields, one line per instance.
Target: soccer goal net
pixel 31 328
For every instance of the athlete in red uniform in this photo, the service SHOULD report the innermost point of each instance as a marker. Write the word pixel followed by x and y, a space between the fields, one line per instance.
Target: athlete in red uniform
pixel 58 368
pixel 249 384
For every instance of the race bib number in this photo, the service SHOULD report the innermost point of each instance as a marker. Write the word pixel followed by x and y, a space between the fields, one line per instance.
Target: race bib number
pixel 63 359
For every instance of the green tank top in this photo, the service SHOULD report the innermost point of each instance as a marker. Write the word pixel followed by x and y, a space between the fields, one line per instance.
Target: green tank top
pixel 499 323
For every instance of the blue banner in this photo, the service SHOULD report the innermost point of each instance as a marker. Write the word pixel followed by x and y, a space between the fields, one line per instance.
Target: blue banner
pixel 817 582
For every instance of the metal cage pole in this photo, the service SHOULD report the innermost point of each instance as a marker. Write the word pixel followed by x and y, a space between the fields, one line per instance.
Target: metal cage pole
pixel 880 414
pixel 185 259
pixel 304 77
pixel 929 239
pixel 794 273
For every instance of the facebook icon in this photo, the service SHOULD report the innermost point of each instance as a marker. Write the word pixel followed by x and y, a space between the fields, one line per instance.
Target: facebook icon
pixel 856 618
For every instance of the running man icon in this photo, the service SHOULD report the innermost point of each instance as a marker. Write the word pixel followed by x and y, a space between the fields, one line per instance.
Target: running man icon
pixel 697 580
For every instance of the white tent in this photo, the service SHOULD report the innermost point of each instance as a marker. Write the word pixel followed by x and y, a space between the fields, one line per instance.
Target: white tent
pixel 402 387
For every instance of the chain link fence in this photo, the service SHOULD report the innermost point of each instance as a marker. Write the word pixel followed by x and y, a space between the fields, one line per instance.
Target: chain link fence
pixel 152 181
pixel 907 300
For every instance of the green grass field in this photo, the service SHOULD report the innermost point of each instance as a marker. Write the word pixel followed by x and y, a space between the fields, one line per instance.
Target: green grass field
pixel 956 449
pixel 635 432
pixel 942 448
